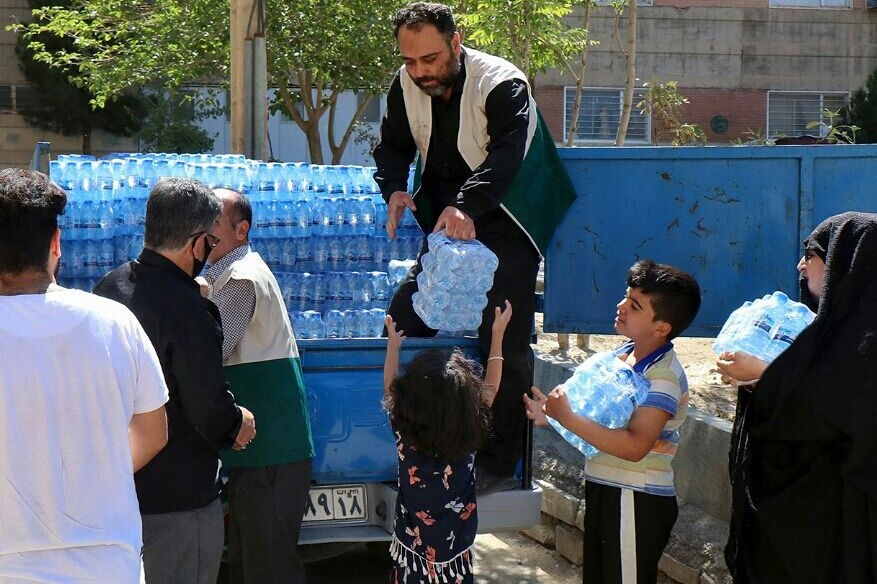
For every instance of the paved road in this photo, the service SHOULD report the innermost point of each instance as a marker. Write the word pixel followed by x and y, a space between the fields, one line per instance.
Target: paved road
pixel 503 558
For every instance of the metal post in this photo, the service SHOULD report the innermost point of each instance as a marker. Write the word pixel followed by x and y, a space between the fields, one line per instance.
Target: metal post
pixel 41 149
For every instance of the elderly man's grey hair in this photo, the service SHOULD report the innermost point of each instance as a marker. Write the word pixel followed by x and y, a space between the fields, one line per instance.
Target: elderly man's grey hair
pixel 177 209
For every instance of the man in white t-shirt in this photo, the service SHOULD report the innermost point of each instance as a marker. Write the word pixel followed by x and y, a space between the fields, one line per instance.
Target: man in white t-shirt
pixel 81 407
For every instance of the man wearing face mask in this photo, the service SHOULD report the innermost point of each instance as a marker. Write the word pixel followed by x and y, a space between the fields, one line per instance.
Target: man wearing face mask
pixel 178 490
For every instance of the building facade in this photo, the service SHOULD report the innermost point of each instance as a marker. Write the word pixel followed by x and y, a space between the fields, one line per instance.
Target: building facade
pixel 749 68
pixel 746 67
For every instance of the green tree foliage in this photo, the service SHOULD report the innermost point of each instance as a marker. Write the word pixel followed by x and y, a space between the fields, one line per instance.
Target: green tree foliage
pixel 170 125
pixel 331 47
pixel 123 44
pixel 529 33
pixel 862 111
pixel 664 103
pixel 61 106
pixel 326 46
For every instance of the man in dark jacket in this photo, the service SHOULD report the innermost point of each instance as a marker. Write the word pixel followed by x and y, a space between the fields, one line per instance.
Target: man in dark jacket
pixel 178 490
pixel 487 168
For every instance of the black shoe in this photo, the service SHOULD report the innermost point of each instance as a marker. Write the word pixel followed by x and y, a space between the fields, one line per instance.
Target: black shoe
pixel 487 482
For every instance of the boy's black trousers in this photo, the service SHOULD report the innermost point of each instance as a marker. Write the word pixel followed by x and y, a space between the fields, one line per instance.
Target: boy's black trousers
pixel 625 534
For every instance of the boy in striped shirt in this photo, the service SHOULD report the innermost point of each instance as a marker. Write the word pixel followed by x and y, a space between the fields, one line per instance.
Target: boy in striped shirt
pixel 629 492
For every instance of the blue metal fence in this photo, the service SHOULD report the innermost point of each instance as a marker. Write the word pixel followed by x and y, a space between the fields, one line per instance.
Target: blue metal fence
pixel 733 216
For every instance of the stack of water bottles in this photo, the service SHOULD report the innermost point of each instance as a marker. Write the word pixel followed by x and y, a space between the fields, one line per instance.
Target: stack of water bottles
pixel 321 229
pixel 606 390
pixel 764 327
pixel 452 287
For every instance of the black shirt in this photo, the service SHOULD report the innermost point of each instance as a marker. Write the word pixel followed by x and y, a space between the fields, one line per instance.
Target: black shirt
pixel 202 415
pixel 447 179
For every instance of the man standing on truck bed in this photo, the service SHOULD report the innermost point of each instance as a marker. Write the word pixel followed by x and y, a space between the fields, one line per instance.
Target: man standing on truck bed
pixel 487 169
pixel 179 489
pixel 268 482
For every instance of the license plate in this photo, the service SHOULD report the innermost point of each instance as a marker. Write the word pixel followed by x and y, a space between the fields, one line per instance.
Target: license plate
pixel 336 503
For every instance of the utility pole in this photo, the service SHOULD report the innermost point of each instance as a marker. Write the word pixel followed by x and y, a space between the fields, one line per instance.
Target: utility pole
pixel 249 79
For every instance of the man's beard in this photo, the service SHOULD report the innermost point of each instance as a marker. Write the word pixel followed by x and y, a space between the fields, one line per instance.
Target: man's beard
pixel 443 83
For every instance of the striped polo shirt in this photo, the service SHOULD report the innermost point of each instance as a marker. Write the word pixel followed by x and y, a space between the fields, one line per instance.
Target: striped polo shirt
pixel 668 392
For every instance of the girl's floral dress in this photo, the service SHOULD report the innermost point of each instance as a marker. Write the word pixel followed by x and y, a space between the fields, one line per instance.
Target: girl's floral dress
pixel 436 519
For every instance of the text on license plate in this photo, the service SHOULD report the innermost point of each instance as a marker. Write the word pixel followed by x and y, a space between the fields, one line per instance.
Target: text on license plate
pixel 337 503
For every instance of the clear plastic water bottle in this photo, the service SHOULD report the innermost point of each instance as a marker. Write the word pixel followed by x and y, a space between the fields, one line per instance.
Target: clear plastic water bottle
pixel 350 322
pixel 273 253
pixel 380 289
pixel 335 282
pixel 359 285
pixel 287 259
pixel 334 320
pixel 378 316
pixel 315 324
pixel 315 297
pixel 320 253
pixel 380 216
pixel 797 317
pixel 364 252
pixel 380 251
pixel 367 216
pixel 287 218
pixel 337 253
pixel 399 270
pixel 363 323
pixel 299 324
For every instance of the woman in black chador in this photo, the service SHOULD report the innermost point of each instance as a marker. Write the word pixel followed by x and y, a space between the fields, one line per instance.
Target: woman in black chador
pixel 804 445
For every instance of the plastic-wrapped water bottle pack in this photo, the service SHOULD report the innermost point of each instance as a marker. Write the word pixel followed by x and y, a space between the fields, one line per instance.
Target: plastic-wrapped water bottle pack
pixel 606 390
pixel 452 287
pixel 321 229
pixel 764 327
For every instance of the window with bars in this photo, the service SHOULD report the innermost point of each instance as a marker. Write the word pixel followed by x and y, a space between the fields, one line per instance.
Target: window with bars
pixel 600 114
pixel 789 112
pixel 6 103
pixel 811 3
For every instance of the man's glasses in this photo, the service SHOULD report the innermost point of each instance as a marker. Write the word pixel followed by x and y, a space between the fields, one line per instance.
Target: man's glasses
pixel 211 240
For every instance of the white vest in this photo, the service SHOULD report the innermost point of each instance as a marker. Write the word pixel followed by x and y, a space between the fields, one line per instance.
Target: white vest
pixel 483 73
pixel 269 334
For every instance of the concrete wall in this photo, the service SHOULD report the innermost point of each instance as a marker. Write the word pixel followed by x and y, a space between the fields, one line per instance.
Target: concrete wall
pixel 725 59
pixel 738 48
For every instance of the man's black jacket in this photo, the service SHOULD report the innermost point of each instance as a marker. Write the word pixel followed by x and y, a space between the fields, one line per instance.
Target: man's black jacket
pixel 202 415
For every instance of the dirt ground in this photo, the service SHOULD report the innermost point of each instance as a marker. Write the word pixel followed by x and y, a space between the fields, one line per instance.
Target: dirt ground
pixel 706 391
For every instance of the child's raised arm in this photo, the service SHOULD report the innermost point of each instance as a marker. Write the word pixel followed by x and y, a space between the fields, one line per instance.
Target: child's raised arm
pixel 493 375
pixel 391 361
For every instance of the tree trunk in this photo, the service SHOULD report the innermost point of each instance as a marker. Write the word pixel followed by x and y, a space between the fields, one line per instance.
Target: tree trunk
pixel 86 143
pixel 631 74
pixel 339 147
pixel 580 79
pixel 315 142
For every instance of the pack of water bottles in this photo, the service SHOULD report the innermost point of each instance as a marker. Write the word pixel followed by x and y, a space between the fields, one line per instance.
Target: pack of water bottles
pixel 606 390
pixel 764 327
pixel 452 286
pixel 321 229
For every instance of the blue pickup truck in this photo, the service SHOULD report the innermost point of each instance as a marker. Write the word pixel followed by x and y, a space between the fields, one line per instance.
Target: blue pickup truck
pixel 355 464
pixel 734 217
